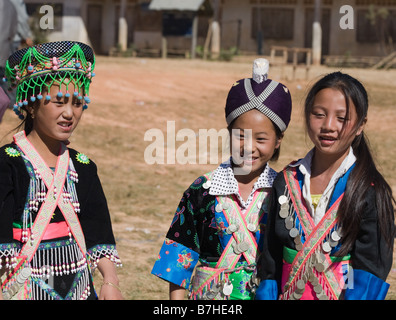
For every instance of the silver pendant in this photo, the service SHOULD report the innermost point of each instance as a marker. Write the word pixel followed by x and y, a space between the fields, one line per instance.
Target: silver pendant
pixel 318 289
pixel 243 246
pixel 282 199
pixel 289 223
pixel 232 228
pixel 319 266
pixel 298 243
pixel 283 213
pixel 251 227
pixel 227 288
pixel 333 243
pixel 206 184
pixel 216 288
pixel 335 236
pixel 236 249
pixel 293 232
pixel 326 247
pixel 210 295
pixel 322 297
pixel 219 207
pixel 300 286
pixel 296 295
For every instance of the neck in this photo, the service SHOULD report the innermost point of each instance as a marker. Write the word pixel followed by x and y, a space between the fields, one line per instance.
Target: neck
pixel 47 148
pixel 248 178
pixel 323 164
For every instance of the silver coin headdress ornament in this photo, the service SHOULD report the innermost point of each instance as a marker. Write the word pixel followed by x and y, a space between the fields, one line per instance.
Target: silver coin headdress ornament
pixel 35 69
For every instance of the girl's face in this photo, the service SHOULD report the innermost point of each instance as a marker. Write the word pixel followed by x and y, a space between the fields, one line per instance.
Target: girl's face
pixel 253 142
pixel 330 128
pixel 57 118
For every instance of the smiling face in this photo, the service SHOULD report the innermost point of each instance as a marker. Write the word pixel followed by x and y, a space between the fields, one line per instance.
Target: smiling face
pixel 55 119
pixel 331 127
pixel 253 142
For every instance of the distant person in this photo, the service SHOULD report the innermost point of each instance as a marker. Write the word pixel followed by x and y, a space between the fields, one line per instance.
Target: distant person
pixel 23 35
pixel 219 224
pixel 330 230
pixel 8 29
pixel 4 103
pixel 55 227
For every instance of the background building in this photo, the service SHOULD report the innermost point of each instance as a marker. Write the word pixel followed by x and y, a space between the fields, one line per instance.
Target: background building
pixel 247 25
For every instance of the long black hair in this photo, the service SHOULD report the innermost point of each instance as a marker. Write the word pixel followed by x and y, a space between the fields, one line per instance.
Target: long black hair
pixel 365 174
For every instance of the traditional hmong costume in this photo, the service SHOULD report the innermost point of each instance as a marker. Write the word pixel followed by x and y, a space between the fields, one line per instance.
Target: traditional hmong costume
pixel 303 236
pixel 54 222
pixel 214 231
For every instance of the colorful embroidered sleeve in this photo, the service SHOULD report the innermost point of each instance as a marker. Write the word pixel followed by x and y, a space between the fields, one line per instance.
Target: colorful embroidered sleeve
pixel 14 182
pixel 192 235
pixel 371 258
pixel 175 263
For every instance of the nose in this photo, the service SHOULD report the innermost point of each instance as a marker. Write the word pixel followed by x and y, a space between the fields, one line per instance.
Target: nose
pixel 249 145
pixel 67 110
pixel 329 123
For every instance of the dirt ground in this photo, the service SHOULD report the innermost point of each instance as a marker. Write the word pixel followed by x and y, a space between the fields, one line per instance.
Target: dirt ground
pixel 133 95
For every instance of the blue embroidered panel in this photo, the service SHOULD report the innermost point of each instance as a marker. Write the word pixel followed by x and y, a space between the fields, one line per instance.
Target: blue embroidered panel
pixel 366 286
pixel 175 263
pixel 267 290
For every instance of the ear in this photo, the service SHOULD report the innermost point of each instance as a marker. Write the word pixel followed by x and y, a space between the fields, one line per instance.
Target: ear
pixel 29 109
pixel 279 141
pixel 361 127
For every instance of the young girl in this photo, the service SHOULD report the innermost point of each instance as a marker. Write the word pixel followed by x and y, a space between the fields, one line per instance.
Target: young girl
pixel 55 227
pixel 330 228
pixel 218 225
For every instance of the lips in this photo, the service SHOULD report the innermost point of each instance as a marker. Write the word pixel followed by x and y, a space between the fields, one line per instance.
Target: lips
pixel 250 160
pixel 327 140
pixel 66 125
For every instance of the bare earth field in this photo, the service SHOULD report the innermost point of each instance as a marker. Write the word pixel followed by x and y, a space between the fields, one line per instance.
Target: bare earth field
pixel 132 95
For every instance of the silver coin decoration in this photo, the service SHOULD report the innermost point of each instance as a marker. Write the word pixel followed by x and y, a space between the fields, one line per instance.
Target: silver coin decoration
pixel 335 236
pixel 289 222
pixel 251 227
pixel 219 207
pixel 283 213
pixel 293 232
pixel 227 288
pixel 326 247
pixel 226 206
pixel 232 228
pixel 243 246
pixel 236 249
pixel 282 199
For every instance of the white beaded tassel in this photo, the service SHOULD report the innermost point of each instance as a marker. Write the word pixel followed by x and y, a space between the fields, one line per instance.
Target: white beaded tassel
pixel 260 70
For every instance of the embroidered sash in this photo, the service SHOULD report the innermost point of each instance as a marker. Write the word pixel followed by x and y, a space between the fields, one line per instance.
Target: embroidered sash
pixel 242 240
pixel 332 282
pixel 238 232
pixel 53 198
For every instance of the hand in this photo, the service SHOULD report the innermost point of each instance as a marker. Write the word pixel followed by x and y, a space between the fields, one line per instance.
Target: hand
pixel 109 291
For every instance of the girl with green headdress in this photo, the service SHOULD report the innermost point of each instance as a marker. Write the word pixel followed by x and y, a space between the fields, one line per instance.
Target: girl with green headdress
pixel 55 226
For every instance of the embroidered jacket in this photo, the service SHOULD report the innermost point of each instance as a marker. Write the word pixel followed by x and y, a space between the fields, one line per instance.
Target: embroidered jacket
pixel 198 231
pixel 363 271
pixel 58 270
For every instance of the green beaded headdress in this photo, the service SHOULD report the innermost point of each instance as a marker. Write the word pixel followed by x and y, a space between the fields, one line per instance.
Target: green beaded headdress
pixel 34 70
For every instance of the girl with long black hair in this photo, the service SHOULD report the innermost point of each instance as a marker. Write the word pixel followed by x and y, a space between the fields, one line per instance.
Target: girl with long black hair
pixel 330 228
